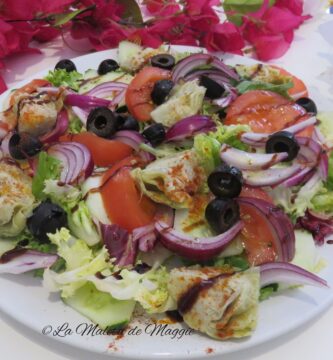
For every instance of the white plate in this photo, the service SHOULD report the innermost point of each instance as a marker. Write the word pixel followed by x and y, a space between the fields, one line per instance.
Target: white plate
pixel 23 297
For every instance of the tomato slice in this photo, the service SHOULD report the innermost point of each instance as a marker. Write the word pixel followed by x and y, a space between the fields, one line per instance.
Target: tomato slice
pixel 257 193
pixel 124 204
pixel 138 94
pixel 257 236
pixel 28 88
pixel 299 89
pixel 104 152
pixel 264 111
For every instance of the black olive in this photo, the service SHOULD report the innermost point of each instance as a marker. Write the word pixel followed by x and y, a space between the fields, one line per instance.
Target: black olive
pixel 102 122
pixel 23 145
pixel 46 218
pixel 283 141
pixel 106 66
pixel 163 61
pixel 155 134
pixel 308 104
pixel 222 214
pixel 66 64
pixel 161 91
pixel 141 268
pixel 213 89
pixel 225 181
pixel 122 109
pixel 127 122
pixel 222 114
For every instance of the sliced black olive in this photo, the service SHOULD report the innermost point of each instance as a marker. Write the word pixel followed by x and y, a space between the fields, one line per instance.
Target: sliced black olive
pixel 225 181
pixel 141 268
pixel 106 66
pixel 22 146
pixel 308 104
pixel 46 218
pixel 222 214
pixel 102 122
pixel 155 134
pixel 66 64
pixel 283 141
pixel 127 122
pixel 161 91
pixel 163 61
pixel 122 109
pixel 213 89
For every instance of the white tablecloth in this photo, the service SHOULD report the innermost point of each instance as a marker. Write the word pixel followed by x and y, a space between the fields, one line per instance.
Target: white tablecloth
pixel 311 57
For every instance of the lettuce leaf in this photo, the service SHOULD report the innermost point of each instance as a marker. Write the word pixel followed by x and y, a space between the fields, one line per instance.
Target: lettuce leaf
pixel 48 168
pixel 61 77
pixel 281 89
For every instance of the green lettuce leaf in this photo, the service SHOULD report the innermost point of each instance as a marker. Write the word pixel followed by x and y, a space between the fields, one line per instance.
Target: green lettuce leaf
pixel 281 89
pixel 48 168
pixel 75 125
pixel 61 77
pixel 267 291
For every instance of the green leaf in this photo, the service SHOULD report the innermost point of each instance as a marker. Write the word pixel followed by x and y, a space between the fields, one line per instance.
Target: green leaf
pixel 237 261
pixel 75 125
pixel 235 9
pixel 267 291
pixel 132 12
pixel 62 19
pixel 281 89
pixel 48 168
pixel 60 77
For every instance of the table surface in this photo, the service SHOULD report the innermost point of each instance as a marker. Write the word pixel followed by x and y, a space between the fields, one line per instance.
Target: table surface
pixel 313 47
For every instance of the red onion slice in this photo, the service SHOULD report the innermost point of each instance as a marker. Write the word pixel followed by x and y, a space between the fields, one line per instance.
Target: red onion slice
pixel 281 227
pixel 59 129
pixel 270 177
pixel 250 161
pixel 195 248
pixel 190 126
pixel 212 74
pixel 81 114
pixel 77 163
pixel 259 139
pixel 323 166
pixel 19 261
pixel 193 61
pixel 283 272
pixel 298 178
pixel 118 98
pixel 309 151
pixel 85 102
pixel 106 89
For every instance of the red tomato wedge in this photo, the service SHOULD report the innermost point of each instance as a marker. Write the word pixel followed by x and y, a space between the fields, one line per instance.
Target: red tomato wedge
pixel 138 94
pixel 28 88
pixel 257 193
pixel 264 111
pixel 124 204
pixel 104 152
pixel 299 89
pixel 257 236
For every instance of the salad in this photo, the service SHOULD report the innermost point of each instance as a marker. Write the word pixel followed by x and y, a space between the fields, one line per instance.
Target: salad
pixel 169 182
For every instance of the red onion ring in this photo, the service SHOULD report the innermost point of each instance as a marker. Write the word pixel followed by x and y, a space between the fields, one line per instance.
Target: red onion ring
pixel 195 248
pixel 81 114
pixel 85 102
pixel 106 89
pixel 190 126
pixel 284 272
pixel 249 161
pixel 298 178
pixel 279 223
pixel 59 129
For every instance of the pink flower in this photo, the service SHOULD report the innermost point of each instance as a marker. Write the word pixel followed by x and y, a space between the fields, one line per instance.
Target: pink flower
pixel 295 6
pixel 146 38
pixel 3 86
pixel 162 7
pixel 46 33
pixel 224 37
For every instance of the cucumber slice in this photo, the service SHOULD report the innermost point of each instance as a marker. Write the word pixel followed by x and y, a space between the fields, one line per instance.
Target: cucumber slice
pixel 96 79
pixel 101 308
pixel 127 52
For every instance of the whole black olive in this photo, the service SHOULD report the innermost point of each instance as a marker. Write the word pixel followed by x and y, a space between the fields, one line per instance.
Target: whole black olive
pixel 106 66
pixel 213 89
pixel 46 218
pixel 102 122
pixel 222 214
pixel 225 181
pixel 161 91
pixel 163 61
pixel 23 145
pixel 66 64
pixel 127 122
pixel 155 134
pixel 308 104
pixel 122 109
pixel 283 141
